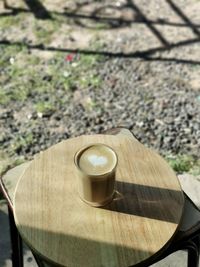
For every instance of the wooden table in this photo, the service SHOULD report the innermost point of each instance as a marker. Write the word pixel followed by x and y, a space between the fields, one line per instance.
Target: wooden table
pixel 142 218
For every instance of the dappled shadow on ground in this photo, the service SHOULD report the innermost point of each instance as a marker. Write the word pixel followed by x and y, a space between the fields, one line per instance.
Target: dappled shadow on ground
pixel 35 6
pixel 112 16
pixel 145 55
pixel 98 14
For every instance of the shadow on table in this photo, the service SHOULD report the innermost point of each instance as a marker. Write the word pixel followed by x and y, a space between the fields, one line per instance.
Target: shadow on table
pixel 147 201
pixel 80 251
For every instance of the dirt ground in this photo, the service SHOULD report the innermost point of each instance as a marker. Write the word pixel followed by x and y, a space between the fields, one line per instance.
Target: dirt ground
pixel 74 67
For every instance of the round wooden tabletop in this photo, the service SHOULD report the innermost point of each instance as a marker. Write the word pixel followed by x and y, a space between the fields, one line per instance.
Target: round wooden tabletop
pixel 141 219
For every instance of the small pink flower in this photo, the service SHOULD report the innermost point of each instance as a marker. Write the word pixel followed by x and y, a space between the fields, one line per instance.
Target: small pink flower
pixel 69 58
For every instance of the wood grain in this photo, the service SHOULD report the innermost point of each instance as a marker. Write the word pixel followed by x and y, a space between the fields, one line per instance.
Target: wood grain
pixel 144 215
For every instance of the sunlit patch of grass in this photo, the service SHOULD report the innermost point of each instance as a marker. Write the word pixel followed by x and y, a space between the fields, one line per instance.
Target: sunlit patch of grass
pixel 4 98
pixel 90 80
pixel 22 141
pixel 4 161
pixel 184 163
pixel 45 29
pixel 44 107
pixel 9 21
pixel 90 60
pixel 8 162
pixel 24 75
pixel 34 60
pixel 75 74
pixel 18 93
pixel 8 52
pixel 91 105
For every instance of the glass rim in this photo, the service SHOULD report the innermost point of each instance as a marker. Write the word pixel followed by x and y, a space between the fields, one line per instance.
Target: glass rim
pixel 80 152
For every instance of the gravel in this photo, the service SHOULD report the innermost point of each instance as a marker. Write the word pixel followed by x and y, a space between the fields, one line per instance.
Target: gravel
pixel 161 110
pixel 158 99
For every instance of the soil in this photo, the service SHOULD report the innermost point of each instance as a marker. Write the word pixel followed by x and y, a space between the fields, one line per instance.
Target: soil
pixel 75 67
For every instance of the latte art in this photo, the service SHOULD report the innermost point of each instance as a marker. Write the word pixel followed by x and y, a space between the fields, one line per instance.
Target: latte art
pixel 97 160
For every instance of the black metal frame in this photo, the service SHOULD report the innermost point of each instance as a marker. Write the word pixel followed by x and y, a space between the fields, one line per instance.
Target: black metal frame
pixel 192 249
pixel 193 254
pixel 16 242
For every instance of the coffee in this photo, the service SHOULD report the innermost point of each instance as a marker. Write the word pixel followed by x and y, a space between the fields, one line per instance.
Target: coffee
pixel 97 165
pixel 97 160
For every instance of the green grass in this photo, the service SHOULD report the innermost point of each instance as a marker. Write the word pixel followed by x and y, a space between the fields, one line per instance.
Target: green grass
pixel 22 141
pixel 29 80
pixel 24 72
pixel 44 30
pixel 7 161
pixel 184 163
pixel 90 80
pixel 4 98
pixel 77 74
pixel 9 21
pixel 18 93
pixel 44 107
pixel 9 51
pixel 29 75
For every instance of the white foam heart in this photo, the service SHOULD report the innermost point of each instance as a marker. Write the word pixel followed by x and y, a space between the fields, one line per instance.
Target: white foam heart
pixel 97 160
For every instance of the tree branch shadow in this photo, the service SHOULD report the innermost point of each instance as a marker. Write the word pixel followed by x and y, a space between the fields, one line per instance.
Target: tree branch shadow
pixel 95 16
pixel 140 17
pixel 144 55
pixel 35 6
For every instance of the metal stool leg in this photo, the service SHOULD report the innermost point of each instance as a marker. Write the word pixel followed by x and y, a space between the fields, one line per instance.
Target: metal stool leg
pixel 193 255
pixel 196 241
pixel 40 263
pixel 16 242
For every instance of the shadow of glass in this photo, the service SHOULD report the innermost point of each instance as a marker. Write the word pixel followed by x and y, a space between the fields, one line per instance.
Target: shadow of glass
pixel 146 201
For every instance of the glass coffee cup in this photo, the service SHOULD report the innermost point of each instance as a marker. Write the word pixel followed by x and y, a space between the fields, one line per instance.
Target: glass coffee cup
pixel 96 165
